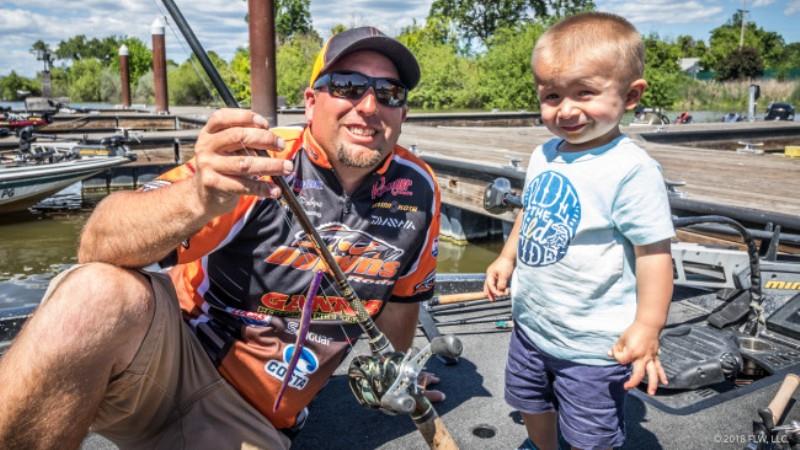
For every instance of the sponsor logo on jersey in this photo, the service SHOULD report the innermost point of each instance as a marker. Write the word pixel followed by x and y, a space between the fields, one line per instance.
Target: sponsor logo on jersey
pixel 306 365
pixel 435 247
pixel 392 222
pixel 309 202
pixel 308 185
pixel 291 328
pixel 427 283
pixel 551 216
pixel 398 186
pixel 361 256
pixel 394 206
pixel 326 307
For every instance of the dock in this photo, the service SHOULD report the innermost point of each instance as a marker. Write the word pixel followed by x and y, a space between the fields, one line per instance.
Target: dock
pixel 468 150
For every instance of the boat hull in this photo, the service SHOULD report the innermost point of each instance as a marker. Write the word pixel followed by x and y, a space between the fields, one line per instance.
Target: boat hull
pixel 23 187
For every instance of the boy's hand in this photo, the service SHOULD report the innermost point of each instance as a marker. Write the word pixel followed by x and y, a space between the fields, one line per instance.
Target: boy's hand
pixel 639 345
pixel 497 276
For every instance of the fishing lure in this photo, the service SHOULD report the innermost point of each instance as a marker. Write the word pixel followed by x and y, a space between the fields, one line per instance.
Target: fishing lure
pixel 300 339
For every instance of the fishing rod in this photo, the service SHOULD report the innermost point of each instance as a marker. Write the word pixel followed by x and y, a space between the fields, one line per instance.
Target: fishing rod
pixel 368 375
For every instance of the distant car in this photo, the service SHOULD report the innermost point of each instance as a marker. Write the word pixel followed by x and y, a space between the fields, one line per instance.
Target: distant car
pixel 779 111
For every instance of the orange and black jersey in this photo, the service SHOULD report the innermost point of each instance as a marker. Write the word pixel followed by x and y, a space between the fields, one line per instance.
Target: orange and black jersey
pixel 242 277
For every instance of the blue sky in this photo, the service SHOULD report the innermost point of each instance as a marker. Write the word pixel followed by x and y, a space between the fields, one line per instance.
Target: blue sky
pixel 220 26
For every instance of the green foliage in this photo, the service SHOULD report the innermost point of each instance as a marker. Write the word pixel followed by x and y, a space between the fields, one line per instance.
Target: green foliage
pixel 565 8
pixel 741 63
pixel 13 84
pixel 725 41
pixel 144 92
pixel 294 60
pixel 338 28
pixel 292 17
pixel 78 47
pixel 447 81
pixel 140 58
pixel 110 85
pixel 84 80
pixel 662 72
pixel 505 78
pixel 478 19
pixel 238 77
pixel 188 84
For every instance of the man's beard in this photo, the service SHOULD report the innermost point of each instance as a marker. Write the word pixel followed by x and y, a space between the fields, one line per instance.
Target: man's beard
pixel 358 160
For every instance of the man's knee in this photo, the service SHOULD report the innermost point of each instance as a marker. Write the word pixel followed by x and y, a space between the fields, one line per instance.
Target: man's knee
pixel 100 303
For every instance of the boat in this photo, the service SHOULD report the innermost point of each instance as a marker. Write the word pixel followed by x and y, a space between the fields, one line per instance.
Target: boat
pixel 39 169
pixel 732 339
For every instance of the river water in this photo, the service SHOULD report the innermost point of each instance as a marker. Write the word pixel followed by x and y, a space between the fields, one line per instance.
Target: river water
pixel 35 247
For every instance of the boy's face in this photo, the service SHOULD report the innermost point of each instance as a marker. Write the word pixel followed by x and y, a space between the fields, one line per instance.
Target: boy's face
pixel 583 102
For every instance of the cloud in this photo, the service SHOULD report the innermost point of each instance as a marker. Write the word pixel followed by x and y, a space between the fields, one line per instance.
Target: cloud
pixel 792 8
pixel 762 3
pixel 664 11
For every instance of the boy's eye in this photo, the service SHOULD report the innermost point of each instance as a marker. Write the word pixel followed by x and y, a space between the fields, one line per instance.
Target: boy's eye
pixel 551 97
pixel 585 93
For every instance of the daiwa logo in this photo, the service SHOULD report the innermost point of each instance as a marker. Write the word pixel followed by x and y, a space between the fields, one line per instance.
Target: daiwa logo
pixel 306 365
pixel 391 222
pixel 552 214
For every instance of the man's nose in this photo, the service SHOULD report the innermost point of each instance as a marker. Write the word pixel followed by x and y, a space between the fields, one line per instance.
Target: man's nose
pixel 368 104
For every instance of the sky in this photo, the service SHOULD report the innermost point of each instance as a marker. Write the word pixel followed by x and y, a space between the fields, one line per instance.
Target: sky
pixel 220 26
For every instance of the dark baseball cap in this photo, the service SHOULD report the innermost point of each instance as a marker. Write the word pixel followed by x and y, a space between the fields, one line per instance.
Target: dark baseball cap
pixel 367 38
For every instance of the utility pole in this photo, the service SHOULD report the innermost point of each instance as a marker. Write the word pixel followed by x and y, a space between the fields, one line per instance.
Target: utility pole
pixel 743 13
pixel 262 59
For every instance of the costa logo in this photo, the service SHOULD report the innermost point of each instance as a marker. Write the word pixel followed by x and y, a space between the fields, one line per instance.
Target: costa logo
pixel 306 365
pixel 363 257
pixel 399 186
pixel 552 214
pixel 391 222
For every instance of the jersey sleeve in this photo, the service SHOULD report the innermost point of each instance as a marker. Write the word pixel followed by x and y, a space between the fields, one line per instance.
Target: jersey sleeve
pixel 641 207
pixel 418 282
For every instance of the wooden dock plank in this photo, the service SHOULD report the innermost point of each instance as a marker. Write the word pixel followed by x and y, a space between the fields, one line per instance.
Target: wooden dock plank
pixel 769 182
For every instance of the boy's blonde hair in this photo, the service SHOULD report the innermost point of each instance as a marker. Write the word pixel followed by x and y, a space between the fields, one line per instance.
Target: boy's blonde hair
pixel 595 36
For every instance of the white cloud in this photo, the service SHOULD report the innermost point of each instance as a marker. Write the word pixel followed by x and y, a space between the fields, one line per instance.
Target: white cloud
pixel 762 3
pixel 663 11
pixel 792 7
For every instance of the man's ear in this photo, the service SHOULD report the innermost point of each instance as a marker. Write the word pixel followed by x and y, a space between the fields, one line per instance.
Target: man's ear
pixel 634 94
pixel 310 100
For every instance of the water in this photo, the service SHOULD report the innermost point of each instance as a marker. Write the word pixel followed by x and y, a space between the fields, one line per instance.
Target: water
pixel 35 247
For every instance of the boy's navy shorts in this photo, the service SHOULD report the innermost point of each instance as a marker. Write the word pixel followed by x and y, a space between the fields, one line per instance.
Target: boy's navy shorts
pixel 590 400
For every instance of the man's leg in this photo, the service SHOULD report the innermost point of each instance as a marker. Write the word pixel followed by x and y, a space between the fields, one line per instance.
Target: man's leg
pixel 55 374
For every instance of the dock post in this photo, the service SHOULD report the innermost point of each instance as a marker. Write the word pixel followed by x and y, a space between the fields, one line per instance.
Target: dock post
pixel 263 89
pixel 159 66
pixel 124 74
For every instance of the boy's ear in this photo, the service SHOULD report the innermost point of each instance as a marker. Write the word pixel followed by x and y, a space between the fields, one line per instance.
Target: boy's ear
pixel 634 94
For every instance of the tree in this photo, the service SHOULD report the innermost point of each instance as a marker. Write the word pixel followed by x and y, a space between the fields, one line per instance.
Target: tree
pixel 338 28
pixel 477 19
pixel 447 80
pixel 292 17
pixel 565 8
pixel 140 58
pixel 505 79
pixel 84 80
pixel 725 40
pixel 13 86
pixel 740 64
pixel 294 60
pixel 662 72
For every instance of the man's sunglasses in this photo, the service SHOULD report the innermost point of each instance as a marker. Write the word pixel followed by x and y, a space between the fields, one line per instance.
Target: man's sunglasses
pixel 353 86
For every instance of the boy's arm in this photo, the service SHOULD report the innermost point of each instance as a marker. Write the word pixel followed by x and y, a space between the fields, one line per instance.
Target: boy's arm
pixel 639 343
pixel 499 272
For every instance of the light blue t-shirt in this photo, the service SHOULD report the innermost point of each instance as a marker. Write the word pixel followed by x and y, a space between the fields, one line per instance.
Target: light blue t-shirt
pixel 574 286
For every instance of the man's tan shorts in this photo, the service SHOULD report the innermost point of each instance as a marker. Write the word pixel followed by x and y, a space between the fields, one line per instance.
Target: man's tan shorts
pixel 171 396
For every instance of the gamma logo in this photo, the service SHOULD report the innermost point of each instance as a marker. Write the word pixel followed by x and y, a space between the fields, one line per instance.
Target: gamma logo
pixel 306 365
pixel 552 214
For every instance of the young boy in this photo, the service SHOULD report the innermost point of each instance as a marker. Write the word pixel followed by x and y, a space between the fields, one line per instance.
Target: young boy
pixel 590 251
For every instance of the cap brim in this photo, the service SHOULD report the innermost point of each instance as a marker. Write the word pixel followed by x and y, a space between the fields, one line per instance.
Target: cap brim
pixel 403 59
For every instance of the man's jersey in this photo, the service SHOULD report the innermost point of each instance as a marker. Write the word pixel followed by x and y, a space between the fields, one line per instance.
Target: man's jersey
pixel 241 279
